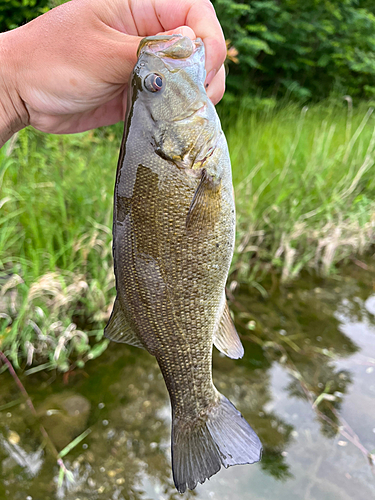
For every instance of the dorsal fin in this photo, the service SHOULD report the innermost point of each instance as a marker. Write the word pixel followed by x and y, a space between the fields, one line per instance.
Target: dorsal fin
pixel 226 338
pixel 118 328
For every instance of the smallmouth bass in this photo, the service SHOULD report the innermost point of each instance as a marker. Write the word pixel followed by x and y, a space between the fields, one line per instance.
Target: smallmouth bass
pixel 173 240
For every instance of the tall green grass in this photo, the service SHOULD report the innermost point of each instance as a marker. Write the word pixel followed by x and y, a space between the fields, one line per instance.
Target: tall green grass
pixel 55 243
pixel 304 185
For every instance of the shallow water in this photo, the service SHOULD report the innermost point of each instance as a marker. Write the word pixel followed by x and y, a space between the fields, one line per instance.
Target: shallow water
pixel 306 384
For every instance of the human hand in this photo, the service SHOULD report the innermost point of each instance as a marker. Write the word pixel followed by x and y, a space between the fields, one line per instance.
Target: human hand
pixel 68 70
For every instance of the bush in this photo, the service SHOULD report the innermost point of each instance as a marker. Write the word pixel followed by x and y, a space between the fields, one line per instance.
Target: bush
pixel 302 48
pixel 13 13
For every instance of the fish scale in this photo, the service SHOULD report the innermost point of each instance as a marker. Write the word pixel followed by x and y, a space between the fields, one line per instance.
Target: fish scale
pixel 173 231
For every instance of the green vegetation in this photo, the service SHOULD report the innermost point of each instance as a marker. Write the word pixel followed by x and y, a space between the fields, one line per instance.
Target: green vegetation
pixel 304 183
pixel 55 244
pixel 300 48
pixel 13 13
pixel 305 187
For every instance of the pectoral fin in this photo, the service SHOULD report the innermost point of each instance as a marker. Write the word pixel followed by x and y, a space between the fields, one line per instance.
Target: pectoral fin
pixel 118 328
pixel 205 206
pixel 226 338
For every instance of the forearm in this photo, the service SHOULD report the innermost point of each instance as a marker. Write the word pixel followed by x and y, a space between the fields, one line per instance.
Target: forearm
pixel 13 113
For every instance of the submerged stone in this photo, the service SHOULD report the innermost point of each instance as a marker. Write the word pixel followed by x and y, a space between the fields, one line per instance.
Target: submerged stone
pixel 64 417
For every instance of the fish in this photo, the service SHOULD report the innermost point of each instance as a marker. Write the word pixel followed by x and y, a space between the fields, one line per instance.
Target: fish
pixel 173 241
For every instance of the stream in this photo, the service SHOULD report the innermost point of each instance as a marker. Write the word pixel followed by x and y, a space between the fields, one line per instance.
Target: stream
pixel 306 385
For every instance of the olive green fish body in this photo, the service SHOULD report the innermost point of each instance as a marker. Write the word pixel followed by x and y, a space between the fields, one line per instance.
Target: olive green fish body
pixel 174 226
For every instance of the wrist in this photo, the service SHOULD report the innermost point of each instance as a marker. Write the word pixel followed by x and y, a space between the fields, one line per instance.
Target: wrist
pixel 13 113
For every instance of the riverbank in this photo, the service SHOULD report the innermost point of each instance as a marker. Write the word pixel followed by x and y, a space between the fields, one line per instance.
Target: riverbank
pixel 304 184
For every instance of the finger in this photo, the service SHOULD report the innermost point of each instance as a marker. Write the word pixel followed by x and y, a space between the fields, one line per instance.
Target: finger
pixel 202 19
pixel 182 30
pixel 200 16
pixel 216 88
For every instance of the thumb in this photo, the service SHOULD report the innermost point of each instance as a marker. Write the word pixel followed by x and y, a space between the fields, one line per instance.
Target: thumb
pixel 127 45
pixel 181 30
pixel 123 56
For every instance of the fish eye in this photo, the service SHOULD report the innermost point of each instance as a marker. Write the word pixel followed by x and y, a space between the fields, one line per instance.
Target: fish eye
pixel 153 82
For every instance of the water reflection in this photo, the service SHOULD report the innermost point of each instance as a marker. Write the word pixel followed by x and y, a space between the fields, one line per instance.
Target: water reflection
pixel 309 354
pixel 30 462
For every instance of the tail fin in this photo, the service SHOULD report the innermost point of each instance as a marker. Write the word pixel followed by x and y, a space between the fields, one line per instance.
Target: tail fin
pixel 200 448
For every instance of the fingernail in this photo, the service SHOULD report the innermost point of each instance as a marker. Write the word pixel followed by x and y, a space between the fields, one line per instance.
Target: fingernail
pixel 210 77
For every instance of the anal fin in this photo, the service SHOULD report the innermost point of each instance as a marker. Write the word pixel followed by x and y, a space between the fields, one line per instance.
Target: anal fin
pixel 118 328
pixel 226 338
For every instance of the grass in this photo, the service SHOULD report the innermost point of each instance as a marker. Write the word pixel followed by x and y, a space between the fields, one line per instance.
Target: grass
pixel 304 183
pixel 55 245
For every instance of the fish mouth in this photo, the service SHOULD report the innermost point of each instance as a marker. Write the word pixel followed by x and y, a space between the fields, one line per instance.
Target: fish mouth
pixel 175 47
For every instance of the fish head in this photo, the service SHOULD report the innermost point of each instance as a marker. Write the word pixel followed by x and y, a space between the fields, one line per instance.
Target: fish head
pixel 168 86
